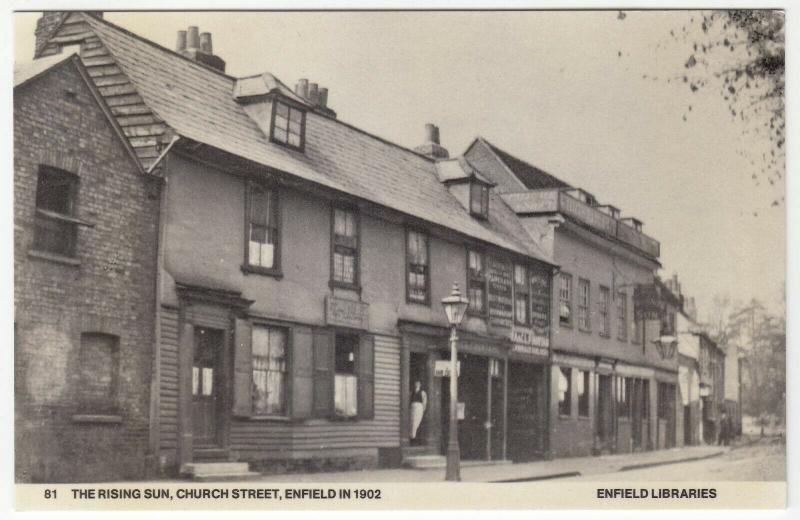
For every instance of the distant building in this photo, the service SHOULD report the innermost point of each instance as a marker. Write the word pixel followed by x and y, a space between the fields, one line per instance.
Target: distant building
pixel 612 389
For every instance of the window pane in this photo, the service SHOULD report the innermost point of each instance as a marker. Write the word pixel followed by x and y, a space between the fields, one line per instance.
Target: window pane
pixel 279 135
pixel 295 115
pixel 294 140
pixel 521 309
pixel 281 123
pixel 294 128
pixel 520 276
pixel 208 380
pixel 269 370
pixel 564 391
pixel 282 110
pixel 195 380
pixel 345 395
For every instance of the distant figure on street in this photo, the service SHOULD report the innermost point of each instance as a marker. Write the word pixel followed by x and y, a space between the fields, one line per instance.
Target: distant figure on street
pixel 724 429
pixel 419 402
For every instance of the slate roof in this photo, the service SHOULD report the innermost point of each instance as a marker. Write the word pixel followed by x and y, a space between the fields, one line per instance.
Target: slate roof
pixel 198 103
pixel 532 177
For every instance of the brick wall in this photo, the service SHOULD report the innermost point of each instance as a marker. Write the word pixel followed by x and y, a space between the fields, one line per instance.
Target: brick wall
pixel 109 290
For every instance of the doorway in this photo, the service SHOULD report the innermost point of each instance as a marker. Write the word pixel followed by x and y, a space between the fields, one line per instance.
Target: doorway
pixel 605 413
pixel 526 416
pixel 207 385
pixel 420 405
pixel 473 393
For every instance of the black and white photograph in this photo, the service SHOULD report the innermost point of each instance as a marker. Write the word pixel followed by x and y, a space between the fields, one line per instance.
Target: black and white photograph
pixel 284 256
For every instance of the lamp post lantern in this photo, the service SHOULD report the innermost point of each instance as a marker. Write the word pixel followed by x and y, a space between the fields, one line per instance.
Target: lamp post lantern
pixel 455 306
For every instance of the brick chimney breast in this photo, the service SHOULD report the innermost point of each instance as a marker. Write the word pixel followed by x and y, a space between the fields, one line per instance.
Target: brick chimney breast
pixel 198 47
pixel 431 147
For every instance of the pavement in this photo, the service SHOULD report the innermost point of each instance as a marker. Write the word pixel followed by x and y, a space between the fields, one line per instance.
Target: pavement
pixel 522 472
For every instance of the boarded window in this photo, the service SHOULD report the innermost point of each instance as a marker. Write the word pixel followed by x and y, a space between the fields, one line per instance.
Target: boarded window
pixel 269 370
pixel 288 125
pixel 418 272
pixel 262 227
pixel 99 373
pixel 55 229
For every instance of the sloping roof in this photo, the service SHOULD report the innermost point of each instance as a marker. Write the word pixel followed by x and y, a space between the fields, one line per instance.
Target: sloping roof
pixel 24 72
pixel 459 168
pixel 198 103
pixel 532 177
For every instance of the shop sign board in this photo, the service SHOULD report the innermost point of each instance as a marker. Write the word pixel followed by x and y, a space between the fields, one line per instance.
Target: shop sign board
pixel 527 337
pixel 346 313
pixel 500 275
pixel 540 308
pixel 441 368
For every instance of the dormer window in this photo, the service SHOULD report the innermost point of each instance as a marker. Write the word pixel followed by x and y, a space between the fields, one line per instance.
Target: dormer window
pixel 288 125
pixel 479 200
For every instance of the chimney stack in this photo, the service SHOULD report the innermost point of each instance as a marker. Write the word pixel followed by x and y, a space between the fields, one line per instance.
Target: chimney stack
pixel 198 47
pixel 432 147
pixel 323 97
pixel 314 95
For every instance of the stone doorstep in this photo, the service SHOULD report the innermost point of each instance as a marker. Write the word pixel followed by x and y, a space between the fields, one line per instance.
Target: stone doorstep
pixel 205 469
pixel 440 461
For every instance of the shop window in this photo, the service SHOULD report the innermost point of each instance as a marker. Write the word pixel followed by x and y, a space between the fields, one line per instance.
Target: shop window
pixel 583 393
pixel 583 304
pixel 565 298
pixel 55 228
pixel 288 125
pixel 269 370
pixel 476 282
pixel 495 368
pixel 622 316
pixel 565 391
pixel 603 311
pixel 346 378
pixel 345 248
pixel 522 304
pixel 99 373
pixel 479 200
pixel 262 229
pixel 623 397
pixel 418 281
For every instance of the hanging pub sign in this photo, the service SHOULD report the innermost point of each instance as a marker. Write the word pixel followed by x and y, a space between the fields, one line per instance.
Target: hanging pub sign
pixel 647 304
pixel 540 308
pixel 500 276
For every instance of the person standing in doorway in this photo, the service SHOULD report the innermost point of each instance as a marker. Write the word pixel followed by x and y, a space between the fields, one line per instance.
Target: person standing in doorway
pixel 419 403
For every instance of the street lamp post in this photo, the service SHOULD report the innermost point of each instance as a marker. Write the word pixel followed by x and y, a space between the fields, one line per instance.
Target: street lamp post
pixel 455 306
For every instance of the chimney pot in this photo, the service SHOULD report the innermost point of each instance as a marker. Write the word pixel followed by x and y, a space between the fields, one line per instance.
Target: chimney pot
pixel 193 37
pixel 323 97
pixel 205 43
pixel 431 133
pixel 302 87
pixel 313 93
pixel 181 44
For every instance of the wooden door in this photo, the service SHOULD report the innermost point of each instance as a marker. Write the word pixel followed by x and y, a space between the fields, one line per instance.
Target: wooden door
pixel 206 386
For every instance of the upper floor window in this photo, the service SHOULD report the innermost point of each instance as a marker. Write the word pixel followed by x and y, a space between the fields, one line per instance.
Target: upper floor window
pixel 269 370
pixel 288 125
pixel 565 298
pixel 521 295
pixel 476 282
pixel 418 269
pixel 583 304
pixel 622 316
pixel 479 199
pixel 603 310
pixel 55 229
pixel 262 228
pixel 345 247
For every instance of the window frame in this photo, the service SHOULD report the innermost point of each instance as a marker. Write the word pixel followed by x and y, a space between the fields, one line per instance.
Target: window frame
pixel 427 300
pixel 604 311
pixel 355 285
pixel 67 220
pixel 290 106
pixel 287 374
pixel 525 287
pixel 483 211
pixel 475 280
pixel 355 374
pixel 585 327
pixel 563 275
pixel 622 315
pixel 247 267
pixel 568 393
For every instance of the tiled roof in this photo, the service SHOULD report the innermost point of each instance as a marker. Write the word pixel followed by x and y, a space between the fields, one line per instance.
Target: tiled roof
pixel 24 72
pixel 198 103
pixel 532 177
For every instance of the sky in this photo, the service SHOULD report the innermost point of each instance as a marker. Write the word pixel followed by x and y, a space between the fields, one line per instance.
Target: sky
pixel 564 91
